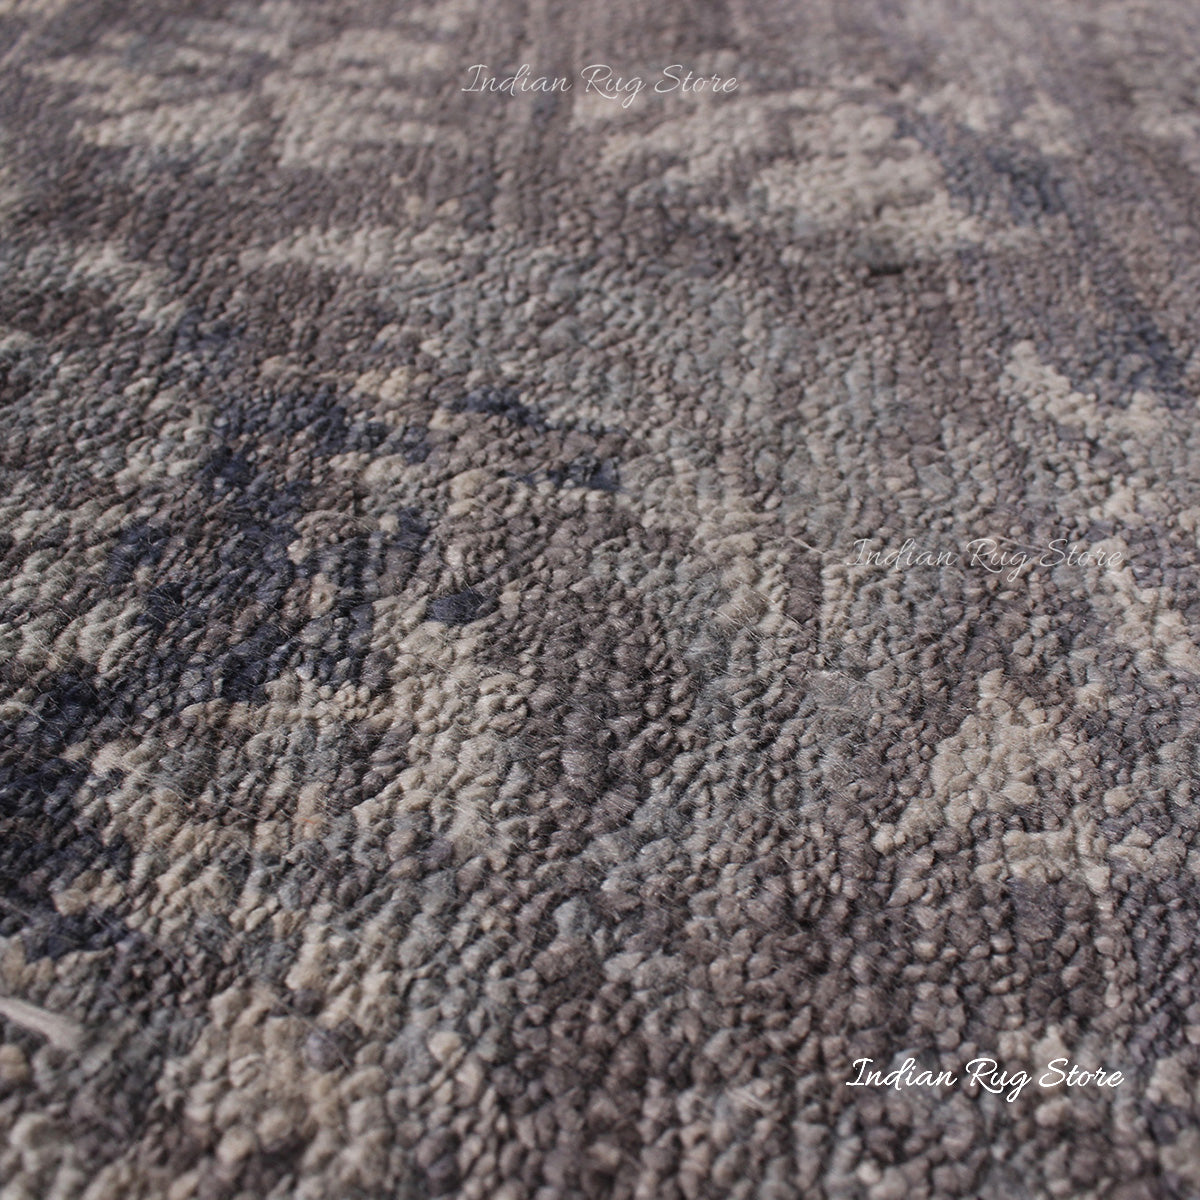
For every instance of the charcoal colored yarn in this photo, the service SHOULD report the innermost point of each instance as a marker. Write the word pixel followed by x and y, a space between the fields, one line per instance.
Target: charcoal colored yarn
pixel 516 663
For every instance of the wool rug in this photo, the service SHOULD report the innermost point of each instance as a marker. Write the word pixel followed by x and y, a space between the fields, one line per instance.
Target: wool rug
pixel 599 600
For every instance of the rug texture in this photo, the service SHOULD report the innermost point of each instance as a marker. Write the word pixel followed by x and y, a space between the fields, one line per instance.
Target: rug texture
pixel 541 629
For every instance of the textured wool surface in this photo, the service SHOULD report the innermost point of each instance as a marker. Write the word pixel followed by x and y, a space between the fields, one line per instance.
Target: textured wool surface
pixel 470 724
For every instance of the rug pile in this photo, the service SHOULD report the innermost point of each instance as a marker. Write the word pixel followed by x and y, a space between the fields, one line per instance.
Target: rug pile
pixel 615 640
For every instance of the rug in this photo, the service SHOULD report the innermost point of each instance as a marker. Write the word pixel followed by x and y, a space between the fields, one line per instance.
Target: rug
pixel 599 600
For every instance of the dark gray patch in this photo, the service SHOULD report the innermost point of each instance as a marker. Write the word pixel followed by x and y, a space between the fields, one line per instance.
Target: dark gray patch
pixel 460 608
pixel 500 402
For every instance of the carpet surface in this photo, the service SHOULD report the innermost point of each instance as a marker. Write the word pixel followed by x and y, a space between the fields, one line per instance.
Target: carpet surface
pixel 542 629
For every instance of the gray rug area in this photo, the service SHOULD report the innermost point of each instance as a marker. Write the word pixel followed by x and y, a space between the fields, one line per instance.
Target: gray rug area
pixel 564 645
